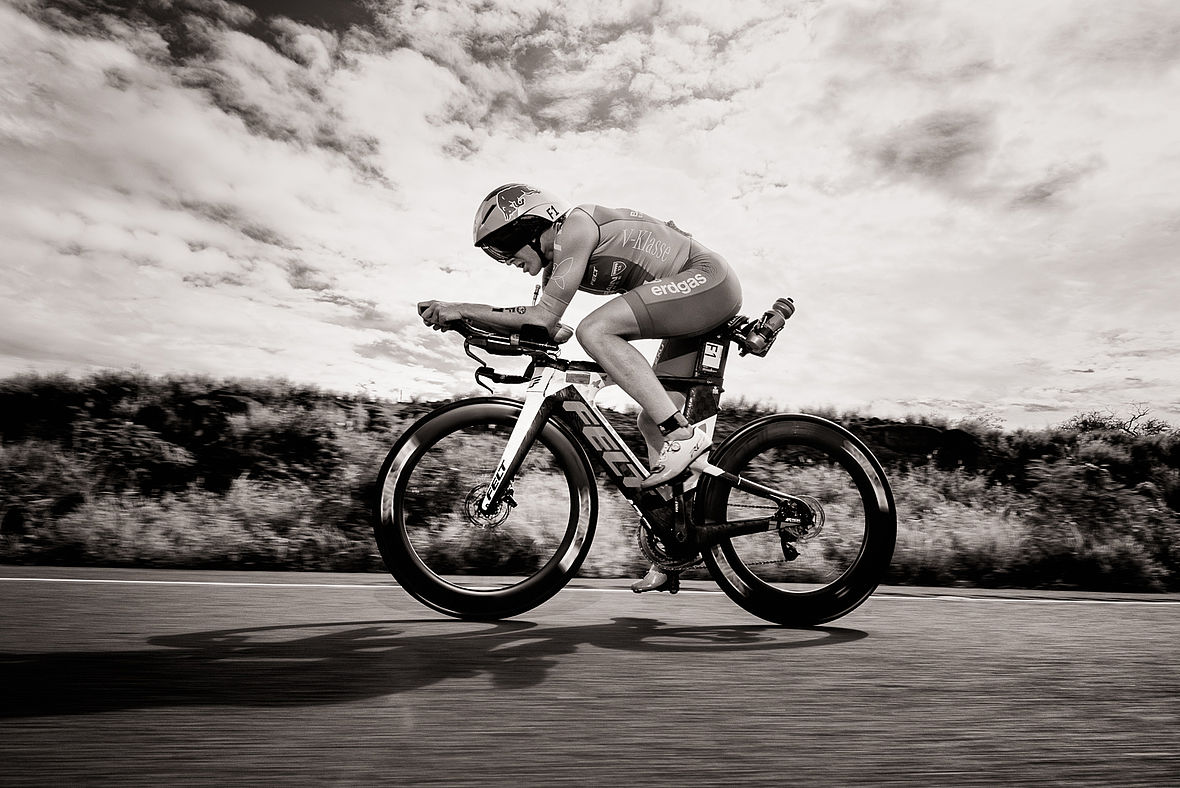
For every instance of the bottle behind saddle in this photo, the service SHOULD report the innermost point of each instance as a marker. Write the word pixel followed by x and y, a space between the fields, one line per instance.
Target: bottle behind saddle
pixel 761 334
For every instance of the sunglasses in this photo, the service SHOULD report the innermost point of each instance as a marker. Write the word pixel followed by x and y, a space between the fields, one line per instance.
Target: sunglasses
pixel 500 255
pixel 502 246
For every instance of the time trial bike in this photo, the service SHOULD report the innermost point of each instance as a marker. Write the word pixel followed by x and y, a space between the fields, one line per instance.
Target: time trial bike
pixel 486 507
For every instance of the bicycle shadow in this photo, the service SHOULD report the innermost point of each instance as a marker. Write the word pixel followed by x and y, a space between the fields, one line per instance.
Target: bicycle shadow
pixel 311 664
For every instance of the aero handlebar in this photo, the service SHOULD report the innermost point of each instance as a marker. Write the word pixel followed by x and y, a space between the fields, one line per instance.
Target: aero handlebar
pixel 530 340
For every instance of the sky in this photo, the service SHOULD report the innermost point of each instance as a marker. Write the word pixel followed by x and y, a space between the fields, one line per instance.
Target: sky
pixel 974 206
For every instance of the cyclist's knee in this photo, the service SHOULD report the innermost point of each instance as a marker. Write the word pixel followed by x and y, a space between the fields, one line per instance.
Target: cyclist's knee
pixel 586 333
pixel 614 319
pixel 590 332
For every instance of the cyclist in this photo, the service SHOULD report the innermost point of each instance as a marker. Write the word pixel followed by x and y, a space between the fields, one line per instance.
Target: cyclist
pixel 666 285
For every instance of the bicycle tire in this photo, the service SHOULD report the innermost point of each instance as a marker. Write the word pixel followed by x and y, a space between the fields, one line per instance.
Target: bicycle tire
pixel 451 559
pixel 834 570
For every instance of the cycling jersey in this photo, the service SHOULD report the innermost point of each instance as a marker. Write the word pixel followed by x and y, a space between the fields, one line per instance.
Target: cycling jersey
pixel 674 285
pixel 633 248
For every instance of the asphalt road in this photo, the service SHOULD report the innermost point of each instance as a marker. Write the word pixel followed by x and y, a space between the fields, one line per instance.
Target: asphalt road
pixel 244 679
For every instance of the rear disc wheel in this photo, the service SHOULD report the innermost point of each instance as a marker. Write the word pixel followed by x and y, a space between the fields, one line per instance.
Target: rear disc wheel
pixel 827 559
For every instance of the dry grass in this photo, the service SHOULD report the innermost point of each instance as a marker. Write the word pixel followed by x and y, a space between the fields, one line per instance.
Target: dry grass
pixel 90 474
pixel 254 526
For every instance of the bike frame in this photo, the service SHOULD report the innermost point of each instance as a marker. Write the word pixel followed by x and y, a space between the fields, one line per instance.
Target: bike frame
pixel 567 390
pixel 568 395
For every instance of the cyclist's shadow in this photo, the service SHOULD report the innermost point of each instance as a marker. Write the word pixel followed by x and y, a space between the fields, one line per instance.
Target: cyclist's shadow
pixel 309 664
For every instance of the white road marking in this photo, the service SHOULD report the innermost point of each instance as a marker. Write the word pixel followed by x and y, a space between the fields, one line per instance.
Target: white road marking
pixel 188 583
pixel 884 595
pixel 1024 600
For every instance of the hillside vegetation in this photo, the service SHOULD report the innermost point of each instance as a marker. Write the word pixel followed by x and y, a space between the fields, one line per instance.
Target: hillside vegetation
pixel 121 469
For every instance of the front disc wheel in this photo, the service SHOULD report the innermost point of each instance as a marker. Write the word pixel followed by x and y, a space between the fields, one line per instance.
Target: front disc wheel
pixel 446 550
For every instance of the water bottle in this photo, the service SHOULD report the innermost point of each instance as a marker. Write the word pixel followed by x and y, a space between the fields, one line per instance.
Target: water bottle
pixel 761 334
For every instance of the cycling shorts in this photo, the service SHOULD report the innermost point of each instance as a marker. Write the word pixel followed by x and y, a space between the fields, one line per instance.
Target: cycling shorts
pixel 699 298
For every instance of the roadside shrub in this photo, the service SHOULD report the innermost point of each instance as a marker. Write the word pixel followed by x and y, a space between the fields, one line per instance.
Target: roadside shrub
pixel 44 408
pixel 253 526
pixel 126 456
pixel 285 445
pixel 121 468
pixel 1118 539
pixel 954 528
pixel 39 481
pixel 1078 528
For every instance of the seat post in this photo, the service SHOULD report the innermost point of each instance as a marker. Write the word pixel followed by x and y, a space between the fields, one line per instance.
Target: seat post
pixel 694 367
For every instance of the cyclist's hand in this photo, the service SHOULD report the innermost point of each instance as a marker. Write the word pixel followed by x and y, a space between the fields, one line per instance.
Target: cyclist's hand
pixel 562 333
pixel 437 314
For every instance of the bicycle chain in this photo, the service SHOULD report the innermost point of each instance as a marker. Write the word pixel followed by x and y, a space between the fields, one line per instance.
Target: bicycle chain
pixel 765 508
pixel 664 562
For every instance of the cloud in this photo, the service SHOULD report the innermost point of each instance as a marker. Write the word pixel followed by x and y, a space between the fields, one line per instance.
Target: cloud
pixel 163 196
pixel 1058 179
pixel 942 147
pixel 562 67
pixel 1120 43
pixel 963 199
pixel 906 43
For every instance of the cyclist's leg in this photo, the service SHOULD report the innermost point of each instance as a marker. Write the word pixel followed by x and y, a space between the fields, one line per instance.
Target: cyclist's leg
pixel 693 302
pixel 605 334
pixel 650 430
pixel 677 357
pixel 701 297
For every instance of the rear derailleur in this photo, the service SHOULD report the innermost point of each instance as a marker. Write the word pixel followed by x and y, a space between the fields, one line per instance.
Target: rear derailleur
pixel 799 519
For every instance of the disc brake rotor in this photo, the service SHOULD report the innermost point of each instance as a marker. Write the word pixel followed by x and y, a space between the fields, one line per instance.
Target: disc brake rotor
pixel 481 519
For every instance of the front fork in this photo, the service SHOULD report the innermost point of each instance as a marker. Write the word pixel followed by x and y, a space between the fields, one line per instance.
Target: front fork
pixel 533 415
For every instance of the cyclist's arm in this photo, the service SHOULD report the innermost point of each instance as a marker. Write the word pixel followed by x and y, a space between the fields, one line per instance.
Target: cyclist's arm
pixel 572 246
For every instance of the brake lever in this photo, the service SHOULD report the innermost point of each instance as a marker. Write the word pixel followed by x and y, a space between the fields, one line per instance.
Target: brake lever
pixel 480 370
pixel 484 371
pixel 496 377
pixel 467 349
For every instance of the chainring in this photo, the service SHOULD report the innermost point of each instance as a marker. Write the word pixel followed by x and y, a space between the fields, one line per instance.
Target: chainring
pixel 668 558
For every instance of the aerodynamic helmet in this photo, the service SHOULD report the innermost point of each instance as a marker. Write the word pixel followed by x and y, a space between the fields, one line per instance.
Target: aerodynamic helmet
pixel 514 215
